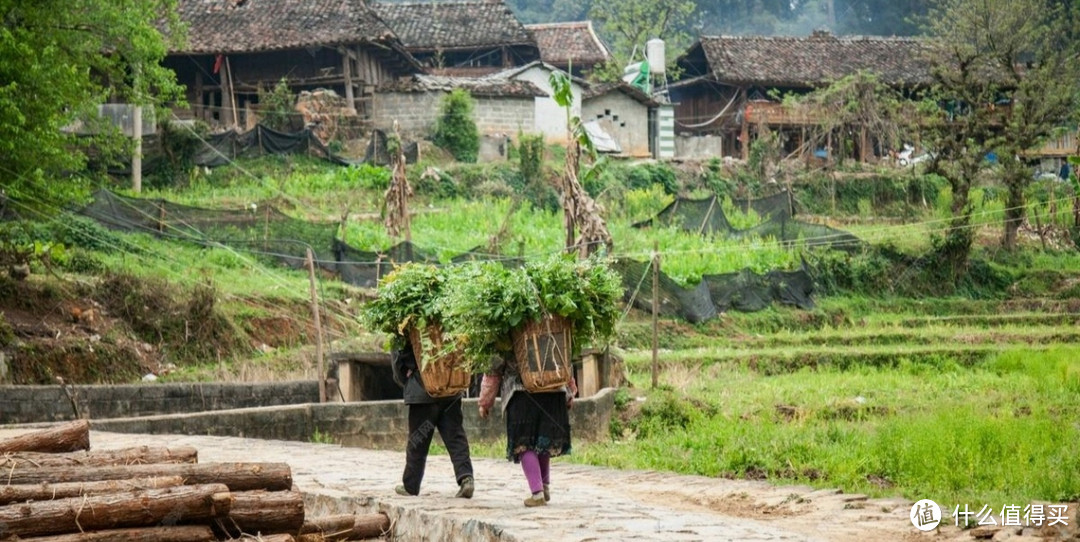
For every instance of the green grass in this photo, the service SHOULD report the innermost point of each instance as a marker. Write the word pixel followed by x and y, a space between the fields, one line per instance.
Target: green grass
pixel 999 431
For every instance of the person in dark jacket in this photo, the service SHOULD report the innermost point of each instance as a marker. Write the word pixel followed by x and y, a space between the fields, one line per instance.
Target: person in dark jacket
pixel 426 414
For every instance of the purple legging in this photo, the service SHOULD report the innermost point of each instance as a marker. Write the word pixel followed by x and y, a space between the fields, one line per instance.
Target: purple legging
pixel 537 468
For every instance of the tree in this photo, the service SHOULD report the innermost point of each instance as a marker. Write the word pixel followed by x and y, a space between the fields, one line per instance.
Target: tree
pixel 455 129
pixel 1030 43
pixel 58 61
pixel 1006 69
pixel 580 212
pixel 859 101
pixel 628 24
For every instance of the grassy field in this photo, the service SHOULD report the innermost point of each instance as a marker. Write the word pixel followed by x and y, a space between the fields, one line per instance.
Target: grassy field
pixel 961 399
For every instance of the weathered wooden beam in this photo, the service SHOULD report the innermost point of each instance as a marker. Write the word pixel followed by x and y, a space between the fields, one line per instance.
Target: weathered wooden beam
pixel 237 476
pixel 45 491
pixel 264 512
pixel 139 455
pixel 178 533
pixel 138 509
pixel 66 437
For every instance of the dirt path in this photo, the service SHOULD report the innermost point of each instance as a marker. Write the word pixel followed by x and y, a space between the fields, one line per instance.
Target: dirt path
pixel 588 503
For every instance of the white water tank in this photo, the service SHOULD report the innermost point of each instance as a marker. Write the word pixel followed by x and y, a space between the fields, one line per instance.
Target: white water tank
pixel 654 51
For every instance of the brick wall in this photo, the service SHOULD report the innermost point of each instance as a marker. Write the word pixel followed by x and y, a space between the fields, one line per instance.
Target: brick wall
pixel 416 112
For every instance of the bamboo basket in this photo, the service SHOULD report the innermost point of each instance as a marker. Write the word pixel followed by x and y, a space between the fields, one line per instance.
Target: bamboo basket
pixel 542 352
pixel 440 372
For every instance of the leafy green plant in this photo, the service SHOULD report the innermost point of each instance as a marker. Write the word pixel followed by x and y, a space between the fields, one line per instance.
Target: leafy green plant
pixel 455 129
pixel 583 291
pixel 483 301
pixel 277 105
pixel 406 296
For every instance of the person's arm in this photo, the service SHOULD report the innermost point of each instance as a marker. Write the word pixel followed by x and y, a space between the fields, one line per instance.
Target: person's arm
pixel 489 388
pixel 402 363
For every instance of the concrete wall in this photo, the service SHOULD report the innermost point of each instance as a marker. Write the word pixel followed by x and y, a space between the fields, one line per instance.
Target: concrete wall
pixel 374 424
pixel 698 147
pixel 27 404
pixel 550 116
pixel 624 118
pixel 416 112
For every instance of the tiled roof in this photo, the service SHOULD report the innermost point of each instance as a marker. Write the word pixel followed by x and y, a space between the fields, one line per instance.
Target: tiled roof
pixel 595 91
pixel 811 61
pixel 426 26
pixel 563 43
pixel 477 86
pixel 247 26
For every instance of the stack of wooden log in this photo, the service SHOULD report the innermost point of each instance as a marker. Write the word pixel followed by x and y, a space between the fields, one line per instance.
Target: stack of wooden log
pixel 53 489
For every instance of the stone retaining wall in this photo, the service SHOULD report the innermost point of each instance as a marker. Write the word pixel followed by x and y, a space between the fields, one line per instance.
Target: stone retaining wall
pixel 32 404
pixel 369 424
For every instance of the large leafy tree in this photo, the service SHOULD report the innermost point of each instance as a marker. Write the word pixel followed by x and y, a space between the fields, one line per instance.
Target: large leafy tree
pixel 628 24
pixel 1004 80
pixel 58 61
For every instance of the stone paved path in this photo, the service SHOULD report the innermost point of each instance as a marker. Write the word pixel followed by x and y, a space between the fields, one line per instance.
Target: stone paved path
pixel 588 503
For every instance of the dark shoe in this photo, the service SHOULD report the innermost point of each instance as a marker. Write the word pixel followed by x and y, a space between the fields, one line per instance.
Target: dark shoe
pixel 536 499
pixel 466 489
pixel 400 490
pixel 547 494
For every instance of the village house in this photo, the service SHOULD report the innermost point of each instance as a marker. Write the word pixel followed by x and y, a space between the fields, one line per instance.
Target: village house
pixel 729 84
pixel 573 46
pixel 461 38
pixel 624 113
pixel 237 47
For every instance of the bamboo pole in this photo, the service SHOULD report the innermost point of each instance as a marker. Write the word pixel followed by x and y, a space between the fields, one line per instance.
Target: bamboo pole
pixel 318 326
pixel 655 312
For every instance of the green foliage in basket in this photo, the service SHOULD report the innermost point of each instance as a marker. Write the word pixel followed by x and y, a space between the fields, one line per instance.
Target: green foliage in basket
pixel 481 303
pixel 586 292
pixel 407 295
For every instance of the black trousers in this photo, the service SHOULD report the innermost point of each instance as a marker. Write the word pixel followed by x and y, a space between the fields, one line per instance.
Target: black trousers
pixel 444 415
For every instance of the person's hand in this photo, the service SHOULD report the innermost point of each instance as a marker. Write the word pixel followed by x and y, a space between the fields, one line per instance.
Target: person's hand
pixel 408 373
pixel 484 412
pixel 569 403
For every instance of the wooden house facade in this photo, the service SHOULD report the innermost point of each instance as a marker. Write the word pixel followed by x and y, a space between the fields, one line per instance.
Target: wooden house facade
pixel 729 84
pixel 461 38
pixel 237 47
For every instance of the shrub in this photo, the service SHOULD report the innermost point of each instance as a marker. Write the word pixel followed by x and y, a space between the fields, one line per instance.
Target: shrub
pixel 455 129
pixel 276 106
pixel 179 145
pixel 646 175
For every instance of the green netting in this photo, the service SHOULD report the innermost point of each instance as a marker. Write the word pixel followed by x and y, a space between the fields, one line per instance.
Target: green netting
pixel 268 232
pixel 261 229
pixel 706 216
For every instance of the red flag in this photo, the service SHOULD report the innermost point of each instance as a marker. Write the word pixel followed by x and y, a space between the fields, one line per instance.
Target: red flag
pixel 217 62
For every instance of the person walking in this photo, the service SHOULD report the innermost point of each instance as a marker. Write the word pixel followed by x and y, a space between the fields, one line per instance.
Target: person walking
pixel 537 425
pixel 426 414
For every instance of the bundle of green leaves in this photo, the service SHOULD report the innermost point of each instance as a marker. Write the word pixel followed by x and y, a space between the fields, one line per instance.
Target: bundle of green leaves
pixel 406 296
pixel 483 301
pixel 585 292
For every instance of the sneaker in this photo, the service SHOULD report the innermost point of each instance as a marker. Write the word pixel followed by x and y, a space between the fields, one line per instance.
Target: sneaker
pixel 400 490
pixel 466 489
pixel 536 499
pixel 547 494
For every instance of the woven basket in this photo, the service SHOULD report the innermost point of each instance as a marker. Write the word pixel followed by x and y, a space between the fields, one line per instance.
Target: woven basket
pixel 440 372
pixel 542 352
